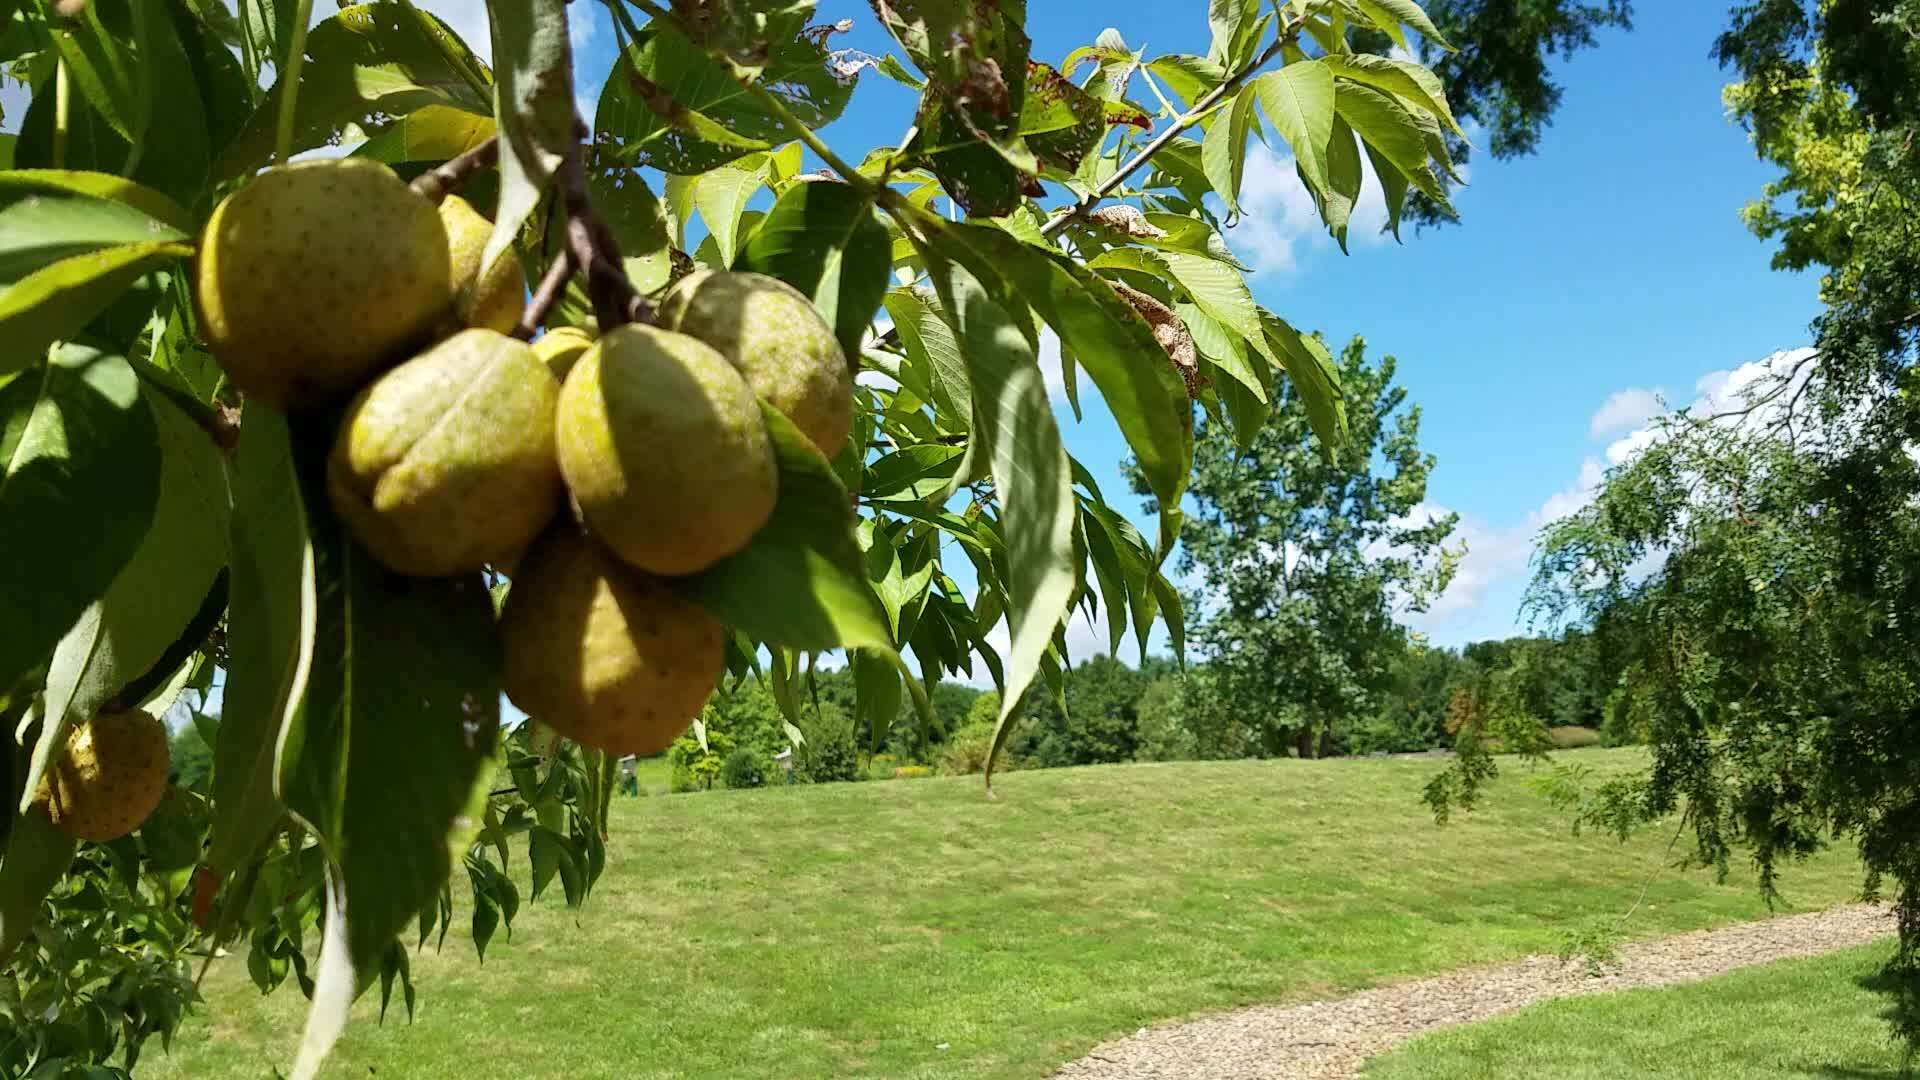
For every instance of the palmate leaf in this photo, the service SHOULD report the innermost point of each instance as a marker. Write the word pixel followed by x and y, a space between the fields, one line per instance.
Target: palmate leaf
pixel 1299 102
pixel 1223 153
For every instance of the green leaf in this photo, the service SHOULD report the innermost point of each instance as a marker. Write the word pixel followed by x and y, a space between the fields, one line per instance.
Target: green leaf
pixel 1410 81
pixel 1216 288
pixel 430 133
pixel 1394 132
pixel 1314 376
pixel 77 461
pixel 1106 336
pixel 876 684
pixel 1014 422
pixel 1343 181
pixel 152 204
pixel 38 229
pixel 1226 348
pixel 1224 152
pixel 1387 15
pixel 389 756
pixel 1299 103
pixel 709 119
pixel 801 582
pixel 1173 613
pixel 270 627
pixel 1233 23
pixel 56 301
pixel 367 61
pixel 721 197
pixel 1113 583
pixel 638 220
pixel 823 239
pixel 172 140
pixel 38 853
pixel 1393 188
pixel 913 472
pixel 1189 77
pixel 533 103
pixel 1135 562
pixel 930 341
pixel 153 598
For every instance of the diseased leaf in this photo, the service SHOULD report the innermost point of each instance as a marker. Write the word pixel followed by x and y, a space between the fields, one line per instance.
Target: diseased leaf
pixel 77 460
pixel 1061 122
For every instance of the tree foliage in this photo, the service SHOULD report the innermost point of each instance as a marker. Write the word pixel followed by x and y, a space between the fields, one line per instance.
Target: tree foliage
pixel 1309 551
pixel 1759 567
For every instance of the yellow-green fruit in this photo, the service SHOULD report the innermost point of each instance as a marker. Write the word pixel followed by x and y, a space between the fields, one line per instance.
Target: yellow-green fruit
pixel 768 330
pixel 602 653
pixel 113 775
pixel 494 299
pixel 446 463
pixel 311 276
pixel 561 347
pixel 664 450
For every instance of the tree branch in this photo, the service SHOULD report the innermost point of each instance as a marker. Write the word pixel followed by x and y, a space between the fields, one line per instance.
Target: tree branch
pixel 1187 120
pixel 551 288
pixel 438 182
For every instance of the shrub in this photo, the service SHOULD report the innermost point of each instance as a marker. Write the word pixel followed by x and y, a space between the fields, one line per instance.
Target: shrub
pixel 743 769
pixel 831 754
pixel 1160 728
pixel 966 750
pixel 1571 737
pixel 912 772
pixel 694 767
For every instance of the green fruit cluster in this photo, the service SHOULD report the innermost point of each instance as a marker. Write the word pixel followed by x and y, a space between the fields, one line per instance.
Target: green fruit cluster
pixel 461 443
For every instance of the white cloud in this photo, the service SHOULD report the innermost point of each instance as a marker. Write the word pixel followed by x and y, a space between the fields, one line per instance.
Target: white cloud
pixel 1279 220
pixel 1050 365
pixel 1626 409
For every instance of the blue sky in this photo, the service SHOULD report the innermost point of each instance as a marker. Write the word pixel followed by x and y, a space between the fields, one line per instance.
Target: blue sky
pixel 1585 285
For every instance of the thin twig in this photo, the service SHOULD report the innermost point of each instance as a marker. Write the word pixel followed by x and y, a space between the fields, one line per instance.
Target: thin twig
pixel 548 293
pixel 438 182
pixel 1187 120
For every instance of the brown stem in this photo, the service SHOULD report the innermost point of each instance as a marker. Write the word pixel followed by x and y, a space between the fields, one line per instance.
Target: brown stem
pixel 1188 119
pixel 594 248
pixel 551 288
pixel 437 183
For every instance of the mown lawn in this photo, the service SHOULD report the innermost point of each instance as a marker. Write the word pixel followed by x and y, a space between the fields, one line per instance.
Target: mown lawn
pixel 916 929
pixel 1819 1019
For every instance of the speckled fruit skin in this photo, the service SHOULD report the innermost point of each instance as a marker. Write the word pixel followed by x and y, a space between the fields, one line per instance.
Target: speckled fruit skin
pixel 495 299
pixel 113 775
pixel 562 347
pixel 664 450
pixel 772 333
pixel 602 653
pixel 446 463
pixel 312 276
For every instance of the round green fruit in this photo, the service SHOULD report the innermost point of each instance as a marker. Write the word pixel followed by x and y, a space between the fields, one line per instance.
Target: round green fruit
pixel 446 463
pixel 494 299
pixel 768 330
pixel 561 347
pixel 604 654
pixel 664 450
pixel 112 777
pixel 312 276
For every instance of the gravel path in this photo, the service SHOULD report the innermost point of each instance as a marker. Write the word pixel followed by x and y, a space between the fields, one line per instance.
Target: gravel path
pixel 1328 1040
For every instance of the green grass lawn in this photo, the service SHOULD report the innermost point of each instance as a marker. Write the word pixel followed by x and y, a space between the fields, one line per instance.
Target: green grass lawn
pixel 916 929
pixel 1820 1019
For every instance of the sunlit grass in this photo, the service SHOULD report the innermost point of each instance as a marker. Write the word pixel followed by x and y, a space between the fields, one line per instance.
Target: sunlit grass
pixel 917 929
pixel 1818 1018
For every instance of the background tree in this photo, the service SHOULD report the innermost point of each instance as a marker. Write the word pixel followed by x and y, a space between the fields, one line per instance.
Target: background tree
pixel 1307 554
pixel 1769 650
